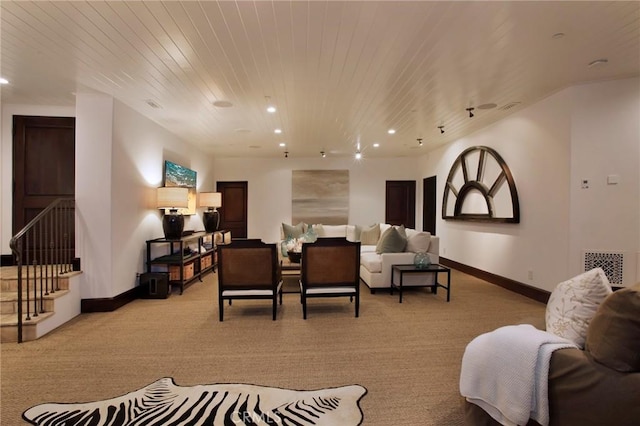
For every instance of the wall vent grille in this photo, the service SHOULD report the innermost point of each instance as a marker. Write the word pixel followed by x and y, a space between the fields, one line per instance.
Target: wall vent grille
pixel 611 263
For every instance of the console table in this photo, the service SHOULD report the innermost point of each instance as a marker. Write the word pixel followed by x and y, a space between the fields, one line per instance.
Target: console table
pixel 436 269
pixel 184 268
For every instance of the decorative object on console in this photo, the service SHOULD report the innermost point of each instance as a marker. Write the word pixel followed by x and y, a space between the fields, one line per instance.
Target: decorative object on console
pixel 421 260
pixel 483 197
pixel 172 198
pixel 211 217
pixel 176 175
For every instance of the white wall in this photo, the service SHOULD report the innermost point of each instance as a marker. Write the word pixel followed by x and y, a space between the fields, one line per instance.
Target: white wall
pixel 590 131
pixel 6 161
pixel 269 183
pixel 120 160
pixel 140 148
pixel 605 141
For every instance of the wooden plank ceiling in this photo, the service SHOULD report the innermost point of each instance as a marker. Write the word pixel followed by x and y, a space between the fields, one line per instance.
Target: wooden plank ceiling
pixel 341 73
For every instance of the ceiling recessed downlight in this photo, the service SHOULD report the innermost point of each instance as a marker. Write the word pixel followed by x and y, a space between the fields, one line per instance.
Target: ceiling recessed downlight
pixel 277 131
pixel 271 109
pixel 376 145
pixel 391 131
pixel 222 104
pixel 4 81
pixel 282 144
pixel 487 106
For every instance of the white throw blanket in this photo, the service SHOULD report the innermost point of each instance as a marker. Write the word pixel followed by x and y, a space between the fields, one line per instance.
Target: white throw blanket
pixel 506 373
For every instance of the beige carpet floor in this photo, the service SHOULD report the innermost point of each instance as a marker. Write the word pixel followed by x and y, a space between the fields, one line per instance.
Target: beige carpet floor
pixel 407 355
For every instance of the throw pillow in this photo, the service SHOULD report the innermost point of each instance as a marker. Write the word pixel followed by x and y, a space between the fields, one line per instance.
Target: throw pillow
pixel 370 236
pixel 613 337
pixel 291 231
pixel 391 241
pixel 418 242
pixel 309 236
pixel 574 302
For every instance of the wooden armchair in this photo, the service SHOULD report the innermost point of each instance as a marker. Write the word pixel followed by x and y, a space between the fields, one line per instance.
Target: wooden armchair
pixel 248 269
pixel 330 268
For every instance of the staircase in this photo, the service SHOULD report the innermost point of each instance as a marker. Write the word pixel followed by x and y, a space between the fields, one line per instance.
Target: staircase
pixel 56 308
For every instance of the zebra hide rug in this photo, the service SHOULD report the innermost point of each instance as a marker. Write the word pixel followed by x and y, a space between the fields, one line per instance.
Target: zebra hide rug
pixel 165 403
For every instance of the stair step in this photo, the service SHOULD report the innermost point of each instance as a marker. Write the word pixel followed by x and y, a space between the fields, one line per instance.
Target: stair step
pixel 9 301
pixel 9 327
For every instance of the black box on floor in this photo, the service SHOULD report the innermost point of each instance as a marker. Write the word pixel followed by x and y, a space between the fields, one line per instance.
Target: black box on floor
pixel 155 285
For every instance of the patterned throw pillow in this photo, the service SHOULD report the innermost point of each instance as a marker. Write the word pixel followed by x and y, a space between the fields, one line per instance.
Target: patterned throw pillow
pixel 291 231
pixel 574 302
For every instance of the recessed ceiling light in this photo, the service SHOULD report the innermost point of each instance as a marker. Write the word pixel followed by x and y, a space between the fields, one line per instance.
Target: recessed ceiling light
pixel 487 106
pixel 376 145
pixel 271 109
pixel 222 104
pixel 4 81
pixel 597 62
pixel 282 144
pixel 277 131
pixel 391 131
pixel 152 104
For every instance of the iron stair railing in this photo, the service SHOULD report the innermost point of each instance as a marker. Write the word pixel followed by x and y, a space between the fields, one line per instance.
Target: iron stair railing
pixel 43 251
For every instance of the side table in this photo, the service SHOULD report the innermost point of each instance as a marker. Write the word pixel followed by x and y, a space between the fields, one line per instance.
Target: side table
pixel 436 269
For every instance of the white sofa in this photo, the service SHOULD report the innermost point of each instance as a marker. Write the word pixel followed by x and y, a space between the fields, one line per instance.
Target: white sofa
pixel 375 268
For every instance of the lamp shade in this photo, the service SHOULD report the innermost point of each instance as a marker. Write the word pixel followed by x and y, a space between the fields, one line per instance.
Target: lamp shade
pixel 210 199
pixel 173 197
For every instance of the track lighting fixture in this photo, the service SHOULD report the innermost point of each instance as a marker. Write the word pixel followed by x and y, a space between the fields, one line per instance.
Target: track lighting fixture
pixel 470 112
pixel 419 141
pixel 286 154
pixel 323 154
pixel 441 127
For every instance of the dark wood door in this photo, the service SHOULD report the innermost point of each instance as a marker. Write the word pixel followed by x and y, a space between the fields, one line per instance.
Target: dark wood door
pixel 233 213
pixel 400 203
pixel 43 164
pixel 429 205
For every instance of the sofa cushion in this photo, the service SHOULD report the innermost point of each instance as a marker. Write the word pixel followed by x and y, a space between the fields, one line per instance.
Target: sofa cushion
pixel 371 235
pixel 393 240
pixel 574 302
pixel 372 261
pixel 292 231
pixel 418 241
pixel 613 337
pixel 330 231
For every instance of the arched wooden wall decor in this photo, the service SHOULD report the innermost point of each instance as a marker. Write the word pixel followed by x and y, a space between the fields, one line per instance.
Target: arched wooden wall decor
pixel 475 189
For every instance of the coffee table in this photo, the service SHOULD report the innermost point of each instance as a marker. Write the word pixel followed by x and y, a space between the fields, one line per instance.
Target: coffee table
pixel 290 270
pixel 435 268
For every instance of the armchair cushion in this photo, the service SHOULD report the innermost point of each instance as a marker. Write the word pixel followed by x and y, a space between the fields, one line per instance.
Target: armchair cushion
pixel 573 303
pixel 613 337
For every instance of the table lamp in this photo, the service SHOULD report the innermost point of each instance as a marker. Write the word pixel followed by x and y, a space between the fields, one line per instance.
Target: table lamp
pixel 211 200
pixel 173 198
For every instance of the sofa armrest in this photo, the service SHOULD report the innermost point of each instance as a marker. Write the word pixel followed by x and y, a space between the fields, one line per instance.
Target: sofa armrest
pixel 390 259
pixel 434 249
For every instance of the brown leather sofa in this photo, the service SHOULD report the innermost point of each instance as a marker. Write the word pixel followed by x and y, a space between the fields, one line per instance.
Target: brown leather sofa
pixel 599 385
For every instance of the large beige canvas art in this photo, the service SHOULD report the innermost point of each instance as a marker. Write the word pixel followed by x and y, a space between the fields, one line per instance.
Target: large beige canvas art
pixel 320 196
